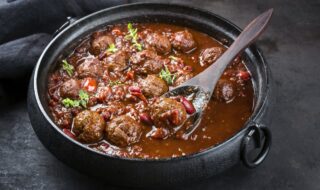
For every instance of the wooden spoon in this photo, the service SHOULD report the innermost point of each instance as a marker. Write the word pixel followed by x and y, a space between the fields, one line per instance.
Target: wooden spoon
pixel 204 83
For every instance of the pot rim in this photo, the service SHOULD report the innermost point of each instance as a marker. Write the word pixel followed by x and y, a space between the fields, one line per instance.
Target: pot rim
pixel 254 117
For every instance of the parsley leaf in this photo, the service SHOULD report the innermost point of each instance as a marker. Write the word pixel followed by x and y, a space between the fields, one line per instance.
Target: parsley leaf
pixel 67 67
pixel 84 98
pixel 167 76
pixel 115 83
pixel 112 48
pixel 67 102
pixel 138 46
pixel 133 35
pixel 132 32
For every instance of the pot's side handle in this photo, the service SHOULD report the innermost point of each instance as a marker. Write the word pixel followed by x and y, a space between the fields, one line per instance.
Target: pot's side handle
pixel 256 132
pixel 69 21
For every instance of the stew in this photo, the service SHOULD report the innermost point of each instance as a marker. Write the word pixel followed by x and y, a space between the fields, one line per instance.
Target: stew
pixel 107 92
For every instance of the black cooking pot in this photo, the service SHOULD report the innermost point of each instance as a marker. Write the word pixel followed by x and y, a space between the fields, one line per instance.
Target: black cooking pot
pixel 142 172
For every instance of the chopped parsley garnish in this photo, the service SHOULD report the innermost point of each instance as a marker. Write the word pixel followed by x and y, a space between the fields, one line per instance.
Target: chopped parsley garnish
pixel 133 35
pixel 167 76
pixel 137 45
pixel 67 67
pixel 84 99
pixel 67 102
pixel 112 48
pixel 132 32
pixel 115 83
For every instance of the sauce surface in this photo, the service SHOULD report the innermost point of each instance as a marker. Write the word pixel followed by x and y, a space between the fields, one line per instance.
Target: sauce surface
pixel 119 74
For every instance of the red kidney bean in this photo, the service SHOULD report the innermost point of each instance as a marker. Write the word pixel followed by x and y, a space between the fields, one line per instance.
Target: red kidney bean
pixel 244 75
pixel 145 118
pixel 68 132
pixel 134 89
pixel 188 105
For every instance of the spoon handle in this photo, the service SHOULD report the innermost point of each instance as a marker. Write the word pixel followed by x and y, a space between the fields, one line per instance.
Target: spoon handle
pixel 209 77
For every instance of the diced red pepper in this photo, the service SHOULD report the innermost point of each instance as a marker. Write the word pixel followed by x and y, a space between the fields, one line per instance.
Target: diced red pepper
pixel 90 84
pixel 68 132
pixel 130 75
pixel 136 91
pixel 140 96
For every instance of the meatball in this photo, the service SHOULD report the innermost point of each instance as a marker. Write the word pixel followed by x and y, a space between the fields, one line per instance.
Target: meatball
pixel 70 89
pixel 224 91
pixel 153 86
pixel 142 56
pixel 160 42
pixel 117 61
pixel 88 126
pixel 123 131
pixel 152 66
pixel 167 112
pixel 100 42
pixel 210 55
pixel 91 67
pixel 183 41
pixel 147 61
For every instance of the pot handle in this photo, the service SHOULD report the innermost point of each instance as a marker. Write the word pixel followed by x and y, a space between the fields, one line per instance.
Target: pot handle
pixel 255 132
pixel 69 21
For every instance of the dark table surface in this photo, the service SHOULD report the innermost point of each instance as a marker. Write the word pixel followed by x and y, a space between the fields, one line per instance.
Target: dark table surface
pixel 291 46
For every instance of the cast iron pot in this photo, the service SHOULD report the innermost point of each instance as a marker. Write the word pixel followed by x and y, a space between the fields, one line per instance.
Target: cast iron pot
pixel 141 172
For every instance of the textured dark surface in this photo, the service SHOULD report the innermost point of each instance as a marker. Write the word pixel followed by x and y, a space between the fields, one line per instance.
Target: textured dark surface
pixel 291 46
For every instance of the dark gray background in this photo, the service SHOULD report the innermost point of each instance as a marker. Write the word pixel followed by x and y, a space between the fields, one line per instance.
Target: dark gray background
pixel 291 46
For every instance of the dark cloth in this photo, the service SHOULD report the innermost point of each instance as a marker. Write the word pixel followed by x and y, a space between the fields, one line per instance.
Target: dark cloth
pixel 26 27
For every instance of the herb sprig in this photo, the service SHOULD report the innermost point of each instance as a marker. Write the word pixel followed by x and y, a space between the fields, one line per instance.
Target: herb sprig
pixel 167 76
pixel 67 67
pixel 112 48
pixel 67 102
pixel 133 36
pixel 83 100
